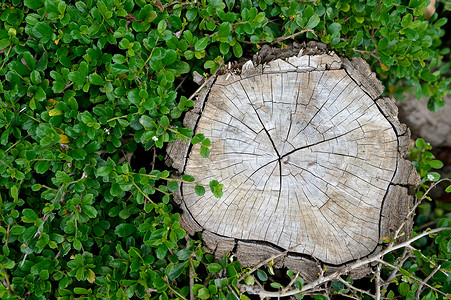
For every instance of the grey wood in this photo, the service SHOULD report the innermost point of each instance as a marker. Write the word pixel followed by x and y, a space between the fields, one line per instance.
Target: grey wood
pixel 311 158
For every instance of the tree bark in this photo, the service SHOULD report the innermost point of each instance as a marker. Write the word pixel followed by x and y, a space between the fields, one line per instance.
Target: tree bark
pixel 311 156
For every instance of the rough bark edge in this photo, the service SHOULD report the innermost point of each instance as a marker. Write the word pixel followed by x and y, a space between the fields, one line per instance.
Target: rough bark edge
pixel 177 152
pixel 397 200
pixel 394 213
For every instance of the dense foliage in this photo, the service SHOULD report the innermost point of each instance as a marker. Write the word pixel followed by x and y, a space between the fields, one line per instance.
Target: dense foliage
pixel 85 84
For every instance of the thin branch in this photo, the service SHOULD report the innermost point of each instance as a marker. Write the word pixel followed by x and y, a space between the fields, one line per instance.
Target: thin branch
pixel 346 270
pixel 350 286
pixel 206 81
pixel 378 282
pixel 233 292
pixel 420 287
pixel 292 36
pixel 285 289
pixel 412 210
pixel 404 257
pixel 416 279
pixel 267 261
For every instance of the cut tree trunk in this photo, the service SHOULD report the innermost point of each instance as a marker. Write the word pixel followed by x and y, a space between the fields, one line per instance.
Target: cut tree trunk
pixel 311 157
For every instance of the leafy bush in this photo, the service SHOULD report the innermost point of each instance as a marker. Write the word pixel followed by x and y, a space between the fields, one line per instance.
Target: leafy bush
pixel 85 84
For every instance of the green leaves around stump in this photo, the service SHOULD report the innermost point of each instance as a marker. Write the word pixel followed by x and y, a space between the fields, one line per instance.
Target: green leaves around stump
pixel 85 84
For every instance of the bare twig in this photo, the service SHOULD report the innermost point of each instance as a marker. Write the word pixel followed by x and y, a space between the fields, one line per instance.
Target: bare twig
pixel 350 286
pixel 412 210
pixel 334 276
pixel 420 287
pixel 292 36
pixel 404 257
pixel 415 278
pixel 153 158
pixel 233 292
pixel 206 81
pixel 181 83
pixel 285 289
pixel 378 282
pixel 267 261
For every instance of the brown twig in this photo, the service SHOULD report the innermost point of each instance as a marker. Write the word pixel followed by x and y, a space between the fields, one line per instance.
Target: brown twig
pixel 153 158
pixel 415 278
pixel 420 287
pixel 376 258
pixel 292 36
pixel 412 210
pixel 206 81
pixel 404 257
pixel 378 282
pixel 350 286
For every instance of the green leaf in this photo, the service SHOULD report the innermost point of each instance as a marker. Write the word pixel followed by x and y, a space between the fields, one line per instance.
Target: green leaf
pixel 119 69
pixel 200 190
pixel 237 50
pixel 15 193
pixel 31 63
pixel 436 164
pixel 4 43
pixel 161 251
pixel 175 271
pixel 17 230
pixel 124 230
pixel 44 274
pixel 425 75
pixel 81 291
pixel 276 285
pixel 262 276
pixel 62 177
pixel 420 144
pixel 224 30
pixel 403 288
pixel 197 138
pixel 334 28
pixel 173 186
pixel 77 77
pixel 89 210
pixel 313 21
pixel 448 189
pixel 249 280
pixel 188 178
pixel 201 44
pixel 429 296
pixel 42 166
pixel 175 21
pixel 214 268
pixel 216 188
pixel 382 44
pixel 204 151
pixel 433 176
pixel 104 171
pixel 164 121
pixel 146 121
pixel 34 4
pixel 42 31
pixel 96 79
pixel 203 293
pixel 29 215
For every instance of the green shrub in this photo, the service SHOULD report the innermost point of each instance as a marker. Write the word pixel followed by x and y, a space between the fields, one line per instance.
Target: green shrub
pixel 84 84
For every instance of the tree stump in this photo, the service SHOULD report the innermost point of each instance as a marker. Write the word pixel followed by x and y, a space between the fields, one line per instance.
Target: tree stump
pixel 312 160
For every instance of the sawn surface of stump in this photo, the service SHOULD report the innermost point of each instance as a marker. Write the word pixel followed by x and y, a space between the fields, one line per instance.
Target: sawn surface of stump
pixel 311 159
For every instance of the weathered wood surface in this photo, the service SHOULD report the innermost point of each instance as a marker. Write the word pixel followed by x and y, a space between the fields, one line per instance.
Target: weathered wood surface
pixel 311 158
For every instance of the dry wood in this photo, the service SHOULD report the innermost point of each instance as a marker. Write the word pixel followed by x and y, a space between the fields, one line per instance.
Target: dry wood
pixel 310 156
